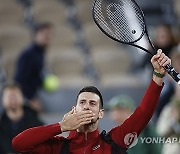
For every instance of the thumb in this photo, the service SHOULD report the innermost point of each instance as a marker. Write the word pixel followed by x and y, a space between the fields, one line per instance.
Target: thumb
pixel 159 51
pixel 155 57
pixel 73 110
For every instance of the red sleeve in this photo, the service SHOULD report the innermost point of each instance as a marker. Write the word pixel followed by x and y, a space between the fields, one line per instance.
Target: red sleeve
pixel 30 139
pixel 141 116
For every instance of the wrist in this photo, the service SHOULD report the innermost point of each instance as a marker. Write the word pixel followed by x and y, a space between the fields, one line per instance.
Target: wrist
pixel 158 80
pixel 62 126
pixel 158 74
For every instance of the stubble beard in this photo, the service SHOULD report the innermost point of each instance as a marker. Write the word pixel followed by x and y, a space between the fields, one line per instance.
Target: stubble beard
pixel 89 126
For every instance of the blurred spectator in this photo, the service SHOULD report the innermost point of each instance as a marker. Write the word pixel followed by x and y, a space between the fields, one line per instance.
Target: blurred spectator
pixel 30 64
pixel 15 118
pixel 121 107
pixel 158 11
pixel 168 89
pixel 168 124
pixel 164 39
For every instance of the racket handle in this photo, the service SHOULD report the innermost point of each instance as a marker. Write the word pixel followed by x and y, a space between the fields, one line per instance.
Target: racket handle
pixel 172 72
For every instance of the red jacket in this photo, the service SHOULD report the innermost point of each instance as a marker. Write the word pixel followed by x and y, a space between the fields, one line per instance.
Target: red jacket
pixel 43 139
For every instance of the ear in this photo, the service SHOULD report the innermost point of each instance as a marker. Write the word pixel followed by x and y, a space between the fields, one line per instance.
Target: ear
pixel 101 113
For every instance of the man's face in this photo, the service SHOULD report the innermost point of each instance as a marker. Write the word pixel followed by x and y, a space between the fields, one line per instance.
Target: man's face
pixel 12 98
pixel 90 101
pixel 119 115
pixel 44 36
pixel 163 36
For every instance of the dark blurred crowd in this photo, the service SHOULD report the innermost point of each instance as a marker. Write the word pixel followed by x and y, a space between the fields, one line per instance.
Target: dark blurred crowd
pixel 16 117
pixel 21 104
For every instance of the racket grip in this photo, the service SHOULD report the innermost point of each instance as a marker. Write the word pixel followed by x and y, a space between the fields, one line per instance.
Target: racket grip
pixel 172 72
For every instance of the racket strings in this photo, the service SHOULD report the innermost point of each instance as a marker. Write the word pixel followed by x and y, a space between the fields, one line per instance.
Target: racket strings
pixel 100 18
pixel 121 19
pixel 120 22
pixel 117 18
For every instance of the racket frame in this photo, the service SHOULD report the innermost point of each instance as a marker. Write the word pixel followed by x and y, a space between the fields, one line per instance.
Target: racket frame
pixel 171 71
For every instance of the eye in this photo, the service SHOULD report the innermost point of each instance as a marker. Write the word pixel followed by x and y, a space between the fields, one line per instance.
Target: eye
pixel 93 103
pixel 81 102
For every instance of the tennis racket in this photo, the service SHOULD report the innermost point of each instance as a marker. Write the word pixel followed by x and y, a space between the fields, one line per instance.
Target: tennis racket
pixel 124 22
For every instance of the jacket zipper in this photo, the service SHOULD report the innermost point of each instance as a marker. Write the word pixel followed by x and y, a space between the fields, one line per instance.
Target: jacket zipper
pixel 86 143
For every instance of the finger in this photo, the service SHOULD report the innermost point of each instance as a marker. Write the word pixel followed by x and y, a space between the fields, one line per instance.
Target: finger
pixel 90 119
pixel 70 112
pixel 159 51
pixel 81 116
pixel 74 109
pixel 91 115
pixel 167 62
pixel 161 57
pixel 155 57
pixel 84 112
pixel 86 119
pixel 84 123
pixel 163 61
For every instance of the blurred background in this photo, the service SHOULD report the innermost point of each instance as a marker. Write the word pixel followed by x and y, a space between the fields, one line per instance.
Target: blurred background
pixel 75 53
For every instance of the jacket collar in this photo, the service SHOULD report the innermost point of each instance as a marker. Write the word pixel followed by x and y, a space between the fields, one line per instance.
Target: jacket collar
pixel 81 136
pixel 38 47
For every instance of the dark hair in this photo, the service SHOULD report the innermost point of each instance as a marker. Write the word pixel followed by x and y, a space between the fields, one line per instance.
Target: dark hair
pixel 42 26
pixel 11 85
pixel 94 90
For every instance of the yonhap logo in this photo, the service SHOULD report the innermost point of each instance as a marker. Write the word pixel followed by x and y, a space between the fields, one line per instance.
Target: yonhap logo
pixel 131 140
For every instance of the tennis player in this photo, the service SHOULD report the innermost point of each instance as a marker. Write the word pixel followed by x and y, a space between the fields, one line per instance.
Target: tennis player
pixel 82 122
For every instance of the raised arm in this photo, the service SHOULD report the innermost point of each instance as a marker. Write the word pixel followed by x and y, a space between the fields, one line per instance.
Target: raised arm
pixel 143 113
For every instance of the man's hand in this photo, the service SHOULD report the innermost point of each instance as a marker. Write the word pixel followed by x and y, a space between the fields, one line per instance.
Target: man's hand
pixel 73 120
pixel 159 61
pixel 36 105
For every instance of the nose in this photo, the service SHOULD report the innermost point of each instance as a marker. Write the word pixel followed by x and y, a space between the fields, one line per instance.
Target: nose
pixel 86 106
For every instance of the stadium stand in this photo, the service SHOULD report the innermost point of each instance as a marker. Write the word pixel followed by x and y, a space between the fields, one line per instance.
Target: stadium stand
pixel 64 59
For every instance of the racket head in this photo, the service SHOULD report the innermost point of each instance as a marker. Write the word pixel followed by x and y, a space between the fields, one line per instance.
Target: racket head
pixel 121 20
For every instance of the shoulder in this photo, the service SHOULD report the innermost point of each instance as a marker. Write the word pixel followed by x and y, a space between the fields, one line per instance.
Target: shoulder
pixel 28 110
pixel 3 118
pixel 4 122
pixel 27 52
pixel 56 142
pixel 31 116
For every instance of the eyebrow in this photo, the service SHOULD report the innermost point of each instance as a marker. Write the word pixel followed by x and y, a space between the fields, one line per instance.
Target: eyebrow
pixel 90 100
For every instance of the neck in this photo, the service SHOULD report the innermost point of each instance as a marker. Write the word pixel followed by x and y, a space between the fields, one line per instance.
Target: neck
pixel 88 128
pixel 40 44
pixel 15 114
